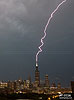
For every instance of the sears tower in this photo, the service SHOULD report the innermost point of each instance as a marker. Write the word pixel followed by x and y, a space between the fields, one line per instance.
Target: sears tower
pixel 37 77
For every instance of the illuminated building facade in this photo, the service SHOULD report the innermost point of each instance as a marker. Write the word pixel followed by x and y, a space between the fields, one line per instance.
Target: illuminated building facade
pixel 46 81
pixel 37 77
pixel 59 86
pixel 11 85
pixel 19 85
pixel 3 84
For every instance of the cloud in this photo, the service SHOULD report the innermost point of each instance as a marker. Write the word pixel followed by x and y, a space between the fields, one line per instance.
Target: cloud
pixel 15 13
pixel 22 15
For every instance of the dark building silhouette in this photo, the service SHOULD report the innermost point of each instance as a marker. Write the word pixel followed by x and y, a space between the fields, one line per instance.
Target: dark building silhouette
pixel 59 86
pixel 53 84
pixel 46 81
pixel 12 85
pixel 37 77
pixel 29 78
pixel 72 86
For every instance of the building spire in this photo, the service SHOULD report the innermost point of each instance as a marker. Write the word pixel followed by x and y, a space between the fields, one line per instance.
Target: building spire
pixel 37 76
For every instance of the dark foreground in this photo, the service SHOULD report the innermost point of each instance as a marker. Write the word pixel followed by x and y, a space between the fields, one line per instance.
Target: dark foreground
pixel 31 96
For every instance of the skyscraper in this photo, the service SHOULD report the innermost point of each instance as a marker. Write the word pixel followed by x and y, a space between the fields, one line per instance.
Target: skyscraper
pixel 46 81
pixel 72 86
pixel 29 78
pixel 59 86
pixel 37 77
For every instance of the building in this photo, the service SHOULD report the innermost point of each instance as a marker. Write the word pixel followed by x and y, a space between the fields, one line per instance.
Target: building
pixel 27 83
pixel 19 85
pixel 11 85
pixel 53 86
pixel 59 86
pixel 3 84
pixel 46 81
pixel 72 86
pixel 29 78
pixel 37 77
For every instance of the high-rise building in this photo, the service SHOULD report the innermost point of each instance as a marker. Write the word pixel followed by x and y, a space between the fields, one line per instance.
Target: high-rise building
pixel 29 78
pixel 37 77
pixel 3 84
pixel 11 85
pixel 46 81
pixel 59 86
pixel 53 84
pixel 72 86
pixel 19 84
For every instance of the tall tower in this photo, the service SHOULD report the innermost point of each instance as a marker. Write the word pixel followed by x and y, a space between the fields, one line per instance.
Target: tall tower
pixel 46 81
pixel 37 77
pixel 29 79
pixel 59 86
pixel 72 86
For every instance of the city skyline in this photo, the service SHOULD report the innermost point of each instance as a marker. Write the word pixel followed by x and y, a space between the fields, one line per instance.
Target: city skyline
pixel 37 81
pixel 21 27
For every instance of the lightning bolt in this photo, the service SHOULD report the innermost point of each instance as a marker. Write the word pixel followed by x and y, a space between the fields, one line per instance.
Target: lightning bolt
pixel 42 43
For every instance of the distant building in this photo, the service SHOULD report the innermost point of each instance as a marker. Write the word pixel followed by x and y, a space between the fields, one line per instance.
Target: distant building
pixel 59 86
pixel 72 86
pixel 11 85
pixel 46 81
pixel 29 78
pixel 24 84
pixel 19 85
pixel 27 83
pixel 37 77
pixel 42 83
pixel 53 86
pixel 3 84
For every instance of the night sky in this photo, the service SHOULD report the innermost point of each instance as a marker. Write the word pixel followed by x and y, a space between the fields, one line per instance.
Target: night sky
pixel 21 27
